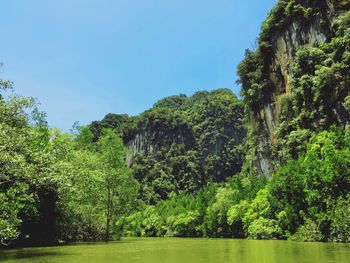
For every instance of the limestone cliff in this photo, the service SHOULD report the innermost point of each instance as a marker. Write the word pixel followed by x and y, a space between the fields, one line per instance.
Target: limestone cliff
pixel 295 24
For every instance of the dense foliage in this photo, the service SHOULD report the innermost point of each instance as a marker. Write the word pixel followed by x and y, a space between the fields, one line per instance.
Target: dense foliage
pixel 320 89
pixel 307 199
pixel 256 69
pixel 318 78
pixel 182 143
pixel 58 186
pixel 308 196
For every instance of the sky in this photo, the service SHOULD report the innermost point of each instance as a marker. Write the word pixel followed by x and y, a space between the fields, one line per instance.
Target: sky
pixel 83 59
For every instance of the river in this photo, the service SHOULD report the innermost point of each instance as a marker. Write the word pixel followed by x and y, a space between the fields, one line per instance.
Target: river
pixel 182 250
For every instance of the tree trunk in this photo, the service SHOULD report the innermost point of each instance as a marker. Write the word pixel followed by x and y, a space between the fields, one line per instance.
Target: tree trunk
pixel 108 212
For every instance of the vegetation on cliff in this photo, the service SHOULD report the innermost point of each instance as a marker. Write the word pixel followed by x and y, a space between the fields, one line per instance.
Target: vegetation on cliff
pixel 307 199
pixel 310 184
pixel 314 95
pixel 182 143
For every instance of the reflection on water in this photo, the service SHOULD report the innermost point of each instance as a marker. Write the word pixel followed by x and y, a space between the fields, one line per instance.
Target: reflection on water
pixel 179 250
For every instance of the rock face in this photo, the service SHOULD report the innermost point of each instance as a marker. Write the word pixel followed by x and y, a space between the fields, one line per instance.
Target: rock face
pixel 139 144
pixel 147 140
pixel 284 45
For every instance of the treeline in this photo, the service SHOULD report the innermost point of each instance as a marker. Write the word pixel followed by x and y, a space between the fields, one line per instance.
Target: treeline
pixel 307 199
pixel 58 187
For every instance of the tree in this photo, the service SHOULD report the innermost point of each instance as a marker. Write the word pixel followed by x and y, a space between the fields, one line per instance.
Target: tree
pixel 25 172
pixel 120 186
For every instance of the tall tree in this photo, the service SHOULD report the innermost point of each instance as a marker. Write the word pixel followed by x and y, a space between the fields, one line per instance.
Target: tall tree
pixel 120 186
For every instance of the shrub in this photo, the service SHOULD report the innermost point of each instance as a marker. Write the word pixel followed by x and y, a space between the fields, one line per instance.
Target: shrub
pixel 264 228
pixel 340 222
pixel 185 224
pixel 310 231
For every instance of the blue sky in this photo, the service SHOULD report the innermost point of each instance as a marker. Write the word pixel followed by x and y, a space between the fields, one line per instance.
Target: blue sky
pixel 85 58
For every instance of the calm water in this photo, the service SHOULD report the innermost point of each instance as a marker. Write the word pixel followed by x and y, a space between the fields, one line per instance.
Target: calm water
pixel 177 250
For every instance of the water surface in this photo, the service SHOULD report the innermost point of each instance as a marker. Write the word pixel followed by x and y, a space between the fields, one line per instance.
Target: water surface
pixel 180 250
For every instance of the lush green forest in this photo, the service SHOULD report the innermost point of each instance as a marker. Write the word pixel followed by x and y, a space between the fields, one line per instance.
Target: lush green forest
pixel 189 166
pixel 55 186
pixel 306 199
pixel 182 143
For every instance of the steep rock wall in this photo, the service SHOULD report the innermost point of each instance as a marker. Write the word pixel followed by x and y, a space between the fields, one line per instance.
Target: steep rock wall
pixel 285 44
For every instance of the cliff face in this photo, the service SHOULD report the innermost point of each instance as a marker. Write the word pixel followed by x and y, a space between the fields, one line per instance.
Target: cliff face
pixel 139 144
pixel 149 139
pixel 283 45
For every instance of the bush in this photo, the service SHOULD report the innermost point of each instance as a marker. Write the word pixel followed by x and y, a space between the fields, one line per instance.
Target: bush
pixel 260 207
pixel 264 228
pixel 235 217
pixel 340 222
pixel 310 231
pixel 185 224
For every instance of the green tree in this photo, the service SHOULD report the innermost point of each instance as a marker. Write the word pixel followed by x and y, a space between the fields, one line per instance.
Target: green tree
pixel 120 187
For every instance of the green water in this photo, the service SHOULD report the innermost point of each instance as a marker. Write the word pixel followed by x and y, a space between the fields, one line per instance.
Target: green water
pixel 178 250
